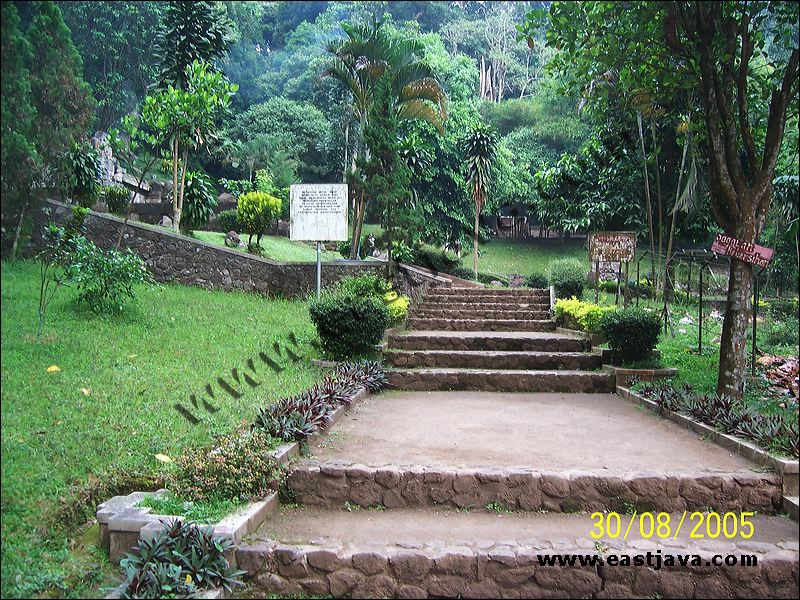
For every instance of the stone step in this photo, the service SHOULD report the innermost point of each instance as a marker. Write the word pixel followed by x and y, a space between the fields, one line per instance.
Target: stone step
pixel 305 552
pixel 418 323
pixel 791 505
pixel 514 293
pixel 498 341
pixel 487 306
pixel 476 359
pixel 480 313
pixel 334 483
pixel 496 380
pixel 507 300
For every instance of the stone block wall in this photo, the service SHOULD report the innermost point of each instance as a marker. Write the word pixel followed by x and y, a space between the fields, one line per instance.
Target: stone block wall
pixel 174 257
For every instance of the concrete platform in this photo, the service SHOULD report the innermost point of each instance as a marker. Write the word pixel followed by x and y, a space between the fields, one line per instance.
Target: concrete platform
pixel 537 431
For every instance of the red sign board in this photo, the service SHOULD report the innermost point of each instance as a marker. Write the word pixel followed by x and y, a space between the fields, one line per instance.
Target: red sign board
pixel 745 251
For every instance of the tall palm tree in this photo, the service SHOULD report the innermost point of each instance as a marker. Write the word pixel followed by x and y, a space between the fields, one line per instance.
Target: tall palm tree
pixel 369 53
pixel 479 154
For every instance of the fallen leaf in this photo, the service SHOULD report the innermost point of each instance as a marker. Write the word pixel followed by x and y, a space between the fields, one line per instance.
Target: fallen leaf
pixel 53 369
pixel 163 458
pixel 85 391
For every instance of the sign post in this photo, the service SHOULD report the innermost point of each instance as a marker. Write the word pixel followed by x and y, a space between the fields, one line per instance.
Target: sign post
pixel 612 246
pixel 317 213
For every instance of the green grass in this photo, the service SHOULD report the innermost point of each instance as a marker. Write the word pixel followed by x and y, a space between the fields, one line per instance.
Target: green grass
pixel 274 247
pixel 205 513
pixel 135 367
pixel 506 257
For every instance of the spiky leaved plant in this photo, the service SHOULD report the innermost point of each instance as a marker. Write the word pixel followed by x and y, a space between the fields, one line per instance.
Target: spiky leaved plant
pixel 479 155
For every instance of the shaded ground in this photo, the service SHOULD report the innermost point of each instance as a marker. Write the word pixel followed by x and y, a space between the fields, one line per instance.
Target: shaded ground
pixel 538 431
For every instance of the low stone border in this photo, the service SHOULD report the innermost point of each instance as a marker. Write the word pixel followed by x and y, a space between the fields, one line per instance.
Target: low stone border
pixel 123 523
pixel 595 338
pixel 623 375
pixel 332 483
pixel 788 469
pixel 213 593
pixel 513 571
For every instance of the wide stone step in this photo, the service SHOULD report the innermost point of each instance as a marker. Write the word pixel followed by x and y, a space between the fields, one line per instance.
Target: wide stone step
pixel 496 380
pixel 476 359
pixel 480 313
pixel 514 292
pixel 437 297
pixel 306 552
pixel 480 324
pixel 499 341
pixel 334 483
pixel 445 304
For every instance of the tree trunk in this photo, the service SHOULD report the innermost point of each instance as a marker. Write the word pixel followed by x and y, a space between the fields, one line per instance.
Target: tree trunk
pixel 647 197
pixel 475 244
pixel 184 165
pixel 733 343
pixel 660 207
pixel 175 214
pixel 18 231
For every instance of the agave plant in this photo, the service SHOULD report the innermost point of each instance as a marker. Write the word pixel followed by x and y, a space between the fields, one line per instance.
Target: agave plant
pixel 479 154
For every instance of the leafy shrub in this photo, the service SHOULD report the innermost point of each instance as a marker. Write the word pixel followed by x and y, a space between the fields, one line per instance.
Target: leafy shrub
pixel 297 417
pixel 105 279
pixel 82 174
pixel 608 285
pixel 782 333
pixel 237 187
pixel 402 252
pixel 632 333
pixel 199 201
pixel 485 278
pixel 584 316
pixel 228 221
pixel 117 198
pixel 536 281
pixel 397 305
pixel 264 182
pixel 178 562
pixel 238 466
pixel 568 277
pixel 255 211
pixel 347 325
pixel 436 260
pixel 363 285
pixel 783 308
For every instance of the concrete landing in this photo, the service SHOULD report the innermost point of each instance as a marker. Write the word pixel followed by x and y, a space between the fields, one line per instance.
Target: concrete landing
pixel 548 431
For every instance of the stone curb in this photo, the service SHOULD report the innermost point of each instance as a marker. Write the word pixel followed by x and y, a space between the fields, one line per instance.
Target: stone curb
pixel 595 338
pixel 788 469
pixel 122 523
pixel 622 375
pixel 332 483
pixel 510 571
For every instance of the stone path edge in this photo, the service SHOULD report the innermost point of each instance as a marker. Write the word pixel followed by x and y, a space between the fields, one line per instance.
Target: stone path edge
pixel 788 469
pixel 122 523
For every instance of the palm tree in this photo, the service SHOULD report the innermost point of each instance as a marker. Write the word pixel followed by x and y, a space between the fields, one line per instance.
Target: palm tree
pixel 479 152
pixel 370 53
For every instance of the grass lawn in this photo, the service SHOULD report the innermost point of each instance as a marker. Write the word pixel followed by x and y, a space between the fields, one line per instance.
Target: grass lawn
pixel 700 370
pixel 110 407
pixel 274 247
pixel 524 256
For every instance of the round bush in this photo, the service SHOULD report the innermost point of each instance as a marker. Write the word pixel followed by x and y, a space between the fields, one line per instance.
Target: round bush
pixel 255 211
pixel 568 277
pixel 117 198
pixel 349 326
pixel 228 221
pixel 537 281
pixel 632 333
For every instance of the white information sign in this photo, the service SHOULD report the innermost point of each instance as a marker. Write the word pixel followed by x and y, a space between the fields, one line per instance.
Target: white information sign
pixel 318 212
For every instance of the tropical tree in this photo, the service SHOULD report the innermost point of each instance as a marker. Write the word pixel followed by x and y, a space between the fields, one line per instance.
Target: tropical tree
pixel 742 58
pixel 188 119
pixel 370 52
pixel 191 32
pixel 479 153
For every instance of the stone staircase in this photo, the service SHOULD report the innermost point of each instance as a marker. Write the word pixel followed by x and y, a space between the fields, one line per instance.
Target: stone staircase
pixel 464 338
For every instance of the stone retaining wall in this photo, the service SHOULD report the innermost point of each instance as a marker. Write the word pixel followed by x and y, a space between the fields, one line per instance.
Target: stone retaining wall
pixel 173 257
pixel 333 483
pixel 511 572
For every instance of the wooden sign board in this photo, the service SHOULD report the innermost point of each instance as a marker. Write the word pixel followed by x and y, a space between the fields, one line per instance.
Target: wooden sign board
pixel 318 212
pixel 745 251
pixel 612 246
